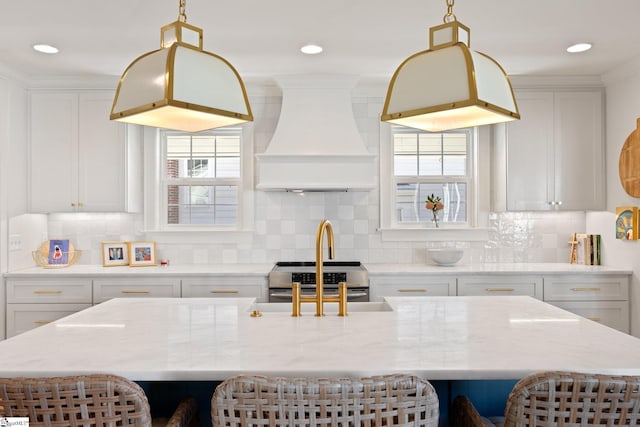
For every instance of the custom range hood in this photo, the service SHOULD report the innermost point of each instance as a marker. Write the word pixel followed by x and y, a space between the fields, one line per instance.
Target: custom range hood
pixel 316 145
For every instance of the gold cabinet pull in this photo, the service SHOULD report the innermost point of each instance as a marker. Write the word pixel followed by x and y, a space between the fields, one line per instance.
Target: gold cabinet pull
pixel 412 290
pixel 585 289
pixel 47 291
pixel 224 291
pixel 135 292
pixel 595 319
pixel 42 322
pixel 499 289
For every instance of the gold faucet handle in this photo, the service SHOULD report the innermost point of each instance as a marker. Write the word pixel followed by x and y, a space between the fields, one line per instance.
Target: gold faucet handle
pixel 296 302
pixel 342 298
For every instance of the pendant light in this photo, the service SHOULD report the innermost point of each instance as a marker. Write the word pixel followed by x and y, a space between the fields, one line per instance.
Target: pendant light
pixel 449 86
pixel 180 86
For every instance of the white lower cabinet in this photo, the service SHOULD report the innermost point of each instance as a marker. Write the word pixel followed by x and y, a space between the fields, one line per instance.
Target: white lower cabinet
pixel 502 285
pixel 418 285
pixel 35 302
pixel 135 287
pixel 225 287
pixel 602 298
pixel 23 317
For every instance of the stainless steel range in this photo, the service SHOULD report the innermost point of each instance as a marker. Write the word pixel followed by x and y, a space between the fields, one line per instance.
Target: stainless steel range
pixel 285 273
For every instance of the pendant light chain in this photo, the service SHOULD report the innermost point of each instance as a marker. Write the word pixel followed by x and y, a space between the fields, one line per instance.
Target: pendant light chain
pixel 450 16
pixel 182 15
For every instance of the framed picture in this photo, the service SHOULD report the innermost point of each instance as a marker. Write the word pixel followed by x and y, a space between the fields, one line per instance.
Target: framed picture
pixel 58 252
pixel 142 254
pixel 627 223
pixel 115 253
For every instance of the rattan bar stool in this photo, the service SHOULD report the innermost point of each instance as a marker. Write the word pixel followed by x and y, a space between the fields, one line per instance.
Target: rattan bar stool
pixel 555 398
pixel 95 400
pixel 389 400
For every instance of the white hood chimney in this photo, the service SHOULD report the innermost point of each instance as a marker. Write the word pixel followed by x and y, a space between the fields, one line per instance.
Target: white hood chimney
pixel 316 145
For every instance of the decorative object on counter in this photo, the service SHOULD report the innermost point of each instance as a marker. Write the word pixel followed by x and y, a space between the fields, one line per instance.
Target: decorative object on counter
pixel 588 251
pixel 627 223
pixel 142 254
pixel 164 263
pixel 56 253
pixel 629 163
pixel 115 253
pixel 446 256
pixel 198 90
pixel 434 204
pixel 449 86
pixel 573 257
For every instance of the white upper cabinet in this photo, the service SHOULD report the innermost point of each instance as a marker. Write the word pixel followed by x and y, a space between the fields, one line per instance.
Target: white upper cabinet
pixel 78 157
pixel 553 158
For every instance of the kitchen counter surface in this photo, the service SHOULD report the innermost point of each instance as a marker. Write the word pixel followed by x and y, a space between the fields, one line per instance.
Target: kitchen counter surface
pixel 264 269
pixel 439 338
pixel 171 270
pixel 494 268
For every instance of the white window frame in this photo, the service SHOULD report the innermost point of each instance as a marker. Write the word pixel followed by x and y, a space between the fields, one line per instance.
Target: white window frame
pixel 155 211
pixel 391 230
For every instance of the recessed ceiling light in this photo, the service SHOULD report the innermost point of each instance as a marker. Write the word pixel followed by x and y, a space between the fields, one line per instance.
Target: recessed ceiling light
pixel 311 49
pixel 45 48
pixel 579 47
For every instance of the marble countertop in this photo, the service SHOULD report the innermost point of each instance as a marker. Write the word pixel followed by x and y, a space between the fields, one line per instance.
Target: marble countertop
pixel 264 269
pixel 494 268
pixel 171 270
pixel 439 338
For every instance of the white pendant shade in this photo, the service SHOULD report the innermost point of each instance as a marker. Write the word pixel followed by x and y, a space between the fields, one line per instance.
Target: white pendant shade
pixel 449 86
pixel 181 87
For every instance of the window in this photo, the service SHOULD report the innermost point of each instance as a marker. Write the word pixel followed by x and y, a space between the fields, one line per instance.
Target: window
pixel 421 163
pixel 431 163
pixel 202 178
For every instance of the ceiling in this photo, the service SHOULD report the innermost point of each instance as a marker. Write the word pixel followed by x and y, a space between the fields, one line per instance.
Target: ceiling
pixel 369 38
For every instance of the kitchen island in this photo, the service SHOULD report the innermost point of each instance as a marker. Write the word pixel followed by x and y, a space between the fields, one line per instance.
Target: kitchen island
pixel 439 338
pixel 442 339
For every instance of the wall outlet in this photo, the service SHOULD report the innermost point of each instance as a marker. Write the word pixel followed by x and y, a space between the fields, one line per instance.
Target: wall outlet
pixel 15 242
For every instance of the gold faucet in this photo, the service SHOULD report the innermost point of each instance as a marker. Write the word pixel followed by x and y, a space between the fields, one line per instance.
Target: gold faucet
pixel 319 299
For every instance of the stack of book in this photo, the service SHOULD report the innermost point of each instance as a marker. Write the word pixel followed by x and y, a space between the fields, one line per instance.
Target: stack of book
pixel 588 249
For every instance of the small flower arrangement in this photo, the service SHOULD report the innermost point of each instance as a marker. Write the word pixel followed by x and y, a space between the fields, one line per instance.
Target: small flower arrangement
pixel 434 204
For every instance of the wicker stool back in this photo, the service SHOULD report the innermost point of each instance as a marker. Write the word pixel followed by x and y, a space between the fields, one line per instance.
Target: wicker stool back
pixel 389 400
pixel 95 400
pixel 553 398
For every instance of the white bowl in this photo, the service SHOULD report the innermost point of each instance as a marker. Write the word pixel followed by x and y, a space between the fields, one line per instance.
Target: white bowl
pixel 446 256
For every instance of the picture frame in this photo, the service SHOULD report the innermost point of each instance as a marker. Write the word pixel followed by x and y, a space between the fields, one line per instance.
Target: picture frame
pixel 58 254
pixel 627 223
pixel 115 253
pixel 142 254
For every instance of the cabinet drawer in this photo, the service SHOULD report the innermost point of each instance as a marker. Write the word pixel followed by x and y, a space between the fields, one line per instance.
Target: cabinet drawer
pixel 500 285
pixel 105 289
pixel 227 287
pixel 586 288
pixel 614 314
pixel 418 286
pixel 23 317
pixel 48 291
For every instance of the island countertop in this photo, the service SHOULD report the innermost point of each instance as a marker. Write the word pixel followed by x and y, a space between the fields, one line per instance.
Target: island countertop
pixel 439 338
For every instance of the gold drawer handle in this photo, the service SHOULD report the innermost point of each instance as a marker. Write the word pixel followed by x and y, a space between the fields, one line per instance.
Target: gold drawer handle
pixel 585 289
pixel 42 322
pixel 47 291
pixel 412 290
pixel 499 289
pixel 224 292
pixel 134 292
pixel 595 319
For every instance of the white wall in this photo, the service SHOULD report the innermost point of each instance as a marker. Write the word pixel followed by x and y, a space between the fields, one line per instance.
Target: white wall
pixel 622 113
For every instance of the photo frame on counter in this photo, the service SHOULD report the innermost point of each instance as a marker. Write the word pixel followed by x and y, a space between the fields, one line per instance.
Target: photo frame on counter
pixel 115 253
pixel 142 254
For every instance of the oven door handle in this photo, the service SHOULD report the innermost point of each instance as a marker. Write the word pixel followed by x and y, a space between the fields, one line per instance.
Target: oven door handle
pixel 290 295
